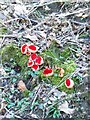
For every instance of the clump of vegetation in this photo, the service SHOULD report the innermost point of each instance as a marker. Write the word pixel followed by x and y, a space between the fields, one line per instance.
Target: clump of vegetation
pixel 53 57
pixel 58 59
pixel 44 78
pixel 12 55
pixel 13 60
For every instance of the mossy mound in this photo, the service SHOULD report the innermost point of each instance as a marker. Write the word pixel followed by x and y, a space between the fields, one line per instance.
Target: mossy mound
pixel 12 56
pixel 62 58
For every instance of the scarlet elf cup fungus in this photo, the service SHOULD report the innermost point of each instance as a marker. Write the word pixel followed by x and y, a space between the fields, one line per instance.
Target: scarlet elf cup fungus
pixel 61 75
pixel 34 60
pixel 39 60
pixel 30 63
pixel 35 67
pixel 69 83
pixel 32 48
pixel 33 56
pixel 48 72
pixel 61 70
pixel 24 48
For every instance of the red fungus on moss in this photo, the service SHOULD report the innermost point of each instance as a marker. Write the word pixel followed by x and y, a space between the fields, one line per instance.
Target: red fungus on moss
pixel 69 83
pixel 48 72
pixel 32 48
pixel 33 56
pixel 39 60
pixel 35 67
pixel 24 48
pixel 30 63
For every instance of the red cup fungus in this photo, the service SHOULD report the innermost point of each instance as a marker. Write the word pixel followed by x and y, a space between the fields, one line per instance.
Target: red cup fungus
pixel 32 48
pixel 69 83
pixel 24 48
pixel 48 72
pixel 30 63
pixel 61 75
pixel 61 70
pixel 35 67
pixel 34 60
pixel 33 56
pixel 28 53
pixel 39 60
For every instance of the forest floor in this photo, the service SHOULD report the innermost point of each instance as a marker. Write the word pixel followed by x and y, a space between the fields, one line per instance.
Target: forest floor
pixel 44 60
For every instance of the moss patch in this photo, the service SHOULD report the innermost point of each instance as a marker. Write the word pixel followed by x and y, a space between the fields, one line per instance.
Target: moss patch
pixel 56 56
pixel 12 55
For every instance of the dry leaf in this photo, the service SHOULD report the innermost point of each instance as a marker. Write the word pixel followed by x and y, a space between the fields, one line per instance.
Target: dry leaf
pixel 2 71
pixel 85 15
pixel 21 86
pixel 41 33
pixel 43 1
pixel 31 37
pixel 64 107
pixel 20 10
pixel 79 15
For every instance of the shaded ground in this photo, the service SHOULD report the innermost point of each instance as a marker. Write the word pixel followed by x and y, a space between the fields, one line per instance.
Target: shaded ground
pixel 67 25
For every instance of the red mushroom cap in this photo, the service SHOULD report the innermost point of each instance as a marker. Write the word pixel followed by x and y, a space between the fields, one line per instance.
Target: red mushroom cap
pixel 30 63
pixel 24 48
pixel 32 48
pixel 35 67
pixel 39 60
pixel 33 56
pixel 28 53
pixel 48 72
pixel 69 83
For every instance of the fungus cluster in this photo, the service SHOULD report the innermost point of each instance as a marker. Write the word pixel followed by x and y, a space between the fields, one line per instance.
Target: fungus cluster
pixel 28 49
pixel 34 60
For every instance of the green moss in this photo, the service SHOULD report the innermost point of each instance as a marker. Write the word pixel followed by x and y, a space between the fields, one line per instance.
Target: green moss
pixel 84 35
pixel 69 66
pixel 12 55
pixel 26 93
pixel 58 81
pixel 67 90
pixel 61 58
pixel 3 30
